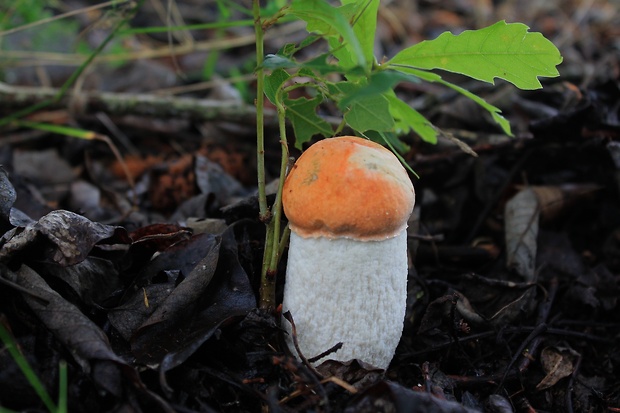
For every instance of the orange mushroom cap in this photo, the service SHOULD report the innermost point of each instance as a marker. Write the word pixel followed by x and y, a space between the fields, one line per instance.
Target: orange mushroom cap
pixel 348 187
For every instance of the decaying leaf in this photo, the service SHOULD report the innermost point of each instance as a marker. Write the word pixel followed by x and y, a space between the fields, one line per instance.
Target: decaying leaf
pixel 66 237
pixel 497 302
pixel 203 285
pixel 521 224
pixel 85 340
pixel 558 362
pixel 523 215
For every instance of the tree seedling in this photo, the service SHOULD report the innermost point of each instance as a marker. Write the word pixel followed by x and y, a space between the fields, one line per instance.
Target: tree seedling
pixel 362 85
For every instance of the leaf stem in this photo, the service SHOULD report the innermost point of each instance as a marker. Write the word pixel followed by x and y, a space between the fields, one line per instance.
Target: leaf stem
pixel 277 206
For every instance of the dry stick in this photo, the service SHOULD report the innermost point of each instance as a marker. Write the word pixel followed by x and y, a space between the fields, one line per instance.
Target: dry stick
pixel 543 316
pixel 530 340
pixel 315 374
pixel 569 387
pixel 303 358
pixel 121 104
pixel 326 353
pixel 535 337
pixel 508 330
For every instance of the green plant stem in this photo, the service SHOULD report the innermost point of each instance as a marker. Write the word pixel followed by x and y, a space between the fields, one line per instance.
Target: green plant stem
pixel 267 287
pixel 274 238
pixel 276 209
pixel 260 100
pixel 267 293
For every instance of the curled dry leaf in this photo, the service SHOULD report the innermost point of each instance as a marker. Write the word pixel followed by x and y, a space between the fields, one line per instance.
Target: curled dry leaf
pixel 67 238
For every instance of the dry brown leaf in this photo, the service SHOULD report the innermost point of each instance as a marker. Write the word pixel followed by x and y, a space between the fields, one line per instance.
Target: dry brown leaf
pixel 521 216
pixel 558 362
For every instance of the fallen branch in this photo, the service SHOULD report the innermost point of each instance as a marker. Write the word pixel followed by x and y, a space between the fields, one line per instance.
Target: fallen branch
pixel 120 104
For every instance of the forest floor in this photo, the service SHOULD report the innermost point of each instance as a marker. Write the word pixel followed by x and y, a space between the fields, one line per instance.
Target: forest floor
pixel 141 276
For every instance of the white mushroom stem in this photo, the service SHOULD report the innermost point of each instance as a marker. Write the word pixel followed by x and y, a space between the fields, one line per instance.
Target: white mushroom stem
pixel 349 291
pixel 347 201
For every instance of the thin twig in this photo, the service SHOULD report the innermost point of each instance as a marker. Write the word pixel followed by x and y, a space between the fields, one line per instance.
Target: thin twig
pixel 303 358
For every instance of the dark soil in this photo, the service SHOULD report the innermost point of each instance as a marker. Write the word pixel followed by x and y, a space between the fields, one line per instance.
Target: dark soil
pixel 149 292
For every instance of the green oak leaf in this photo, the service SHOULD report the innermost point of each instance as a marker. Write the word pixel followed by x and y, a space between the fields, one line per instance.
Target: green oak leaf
pixel 370 113
pixel 504 50
pixel 306 123
pixel 273 82
pixel 324 19
pixel 364 27
pixel 408 118
pixel 377 84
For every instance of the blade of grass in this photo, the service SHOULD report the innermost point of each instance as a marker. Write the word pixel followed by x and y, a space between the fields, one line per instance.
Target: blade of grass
pixel 62 387
pixel 26 369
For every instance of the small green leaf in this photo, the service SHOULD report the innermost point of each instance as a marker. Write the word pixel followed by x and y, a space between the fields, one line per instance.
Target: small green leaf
pixel 273 82
pixel 306 123
pixel 318 64
pixel 329 21
pixel 362 15
pixel 378 83
pixel 339 89
pixel 274 61
pixel 408 118
pixel 322 66
pixel 365 26
pixel 503 50
pixel 370 112
pixel 288 50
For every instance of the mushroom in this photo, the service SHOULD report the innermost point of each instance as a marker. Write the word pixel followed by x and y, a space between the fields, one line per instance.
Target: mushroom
pixel 347 201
